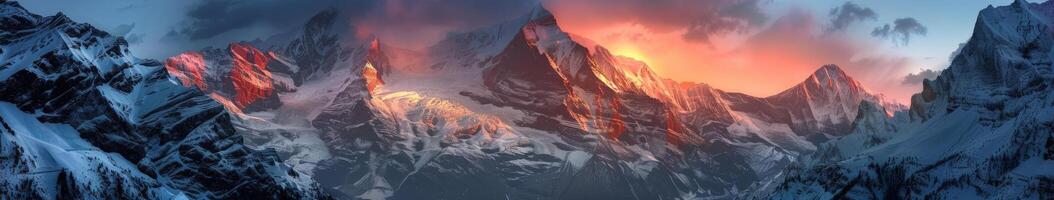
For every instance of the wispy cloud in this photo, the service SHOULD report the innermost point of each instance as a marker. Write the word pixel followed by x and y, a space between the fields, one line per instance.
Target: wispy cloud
pixel 214 17
pixel 847 14
pixel 917 78
pixel 696 21
pixel 901 31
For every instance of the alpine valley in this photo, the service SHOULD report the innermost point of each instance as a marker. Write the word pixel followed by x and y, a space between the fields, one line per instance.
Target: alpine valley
pixel 515 110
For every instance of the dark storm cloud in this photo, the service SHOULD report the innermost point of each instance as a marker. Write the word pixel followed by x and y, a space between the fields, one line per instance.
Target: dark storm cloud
pixel 699 20
pixel 213 17
pixel 459 13
pixel 419 23
pixel 901 31
pixel 917 78
pixel 172 36
pixel 736 16
pixel 847 14
pixel 398 18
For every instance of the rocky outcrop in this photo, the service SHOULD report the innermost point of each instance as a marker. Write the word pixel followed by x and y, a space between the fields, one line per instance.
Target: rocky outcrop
pixel 238 78
pixel 82 118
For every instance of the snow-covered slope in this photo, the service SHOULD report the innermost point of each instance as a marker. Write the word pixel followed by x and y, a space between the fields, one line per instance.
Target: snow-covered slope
pixel 472 49
pixel 980 130
pixel 82 117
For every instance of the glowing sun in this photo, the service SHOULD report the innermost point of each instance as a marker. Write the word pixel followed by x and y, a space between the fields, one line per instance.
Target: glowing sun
pixel 630 51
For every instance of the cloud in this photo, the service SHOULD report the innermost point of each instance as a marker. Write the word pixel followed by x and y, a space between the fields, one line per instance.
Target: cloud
pixel 917 78
pixel 133 38
pixel 452 13
pixel 736 17
pixel 955 53
pixel 847 14
pixel 128 7
pixel 629 36
pixel 696 21
pixel 417 23
pixel 770 59
pixel 172 36
pixel 407 22
pixel 796 43
pixel 214 17
pixel 125 30
pixel 901 31
pixel 122 30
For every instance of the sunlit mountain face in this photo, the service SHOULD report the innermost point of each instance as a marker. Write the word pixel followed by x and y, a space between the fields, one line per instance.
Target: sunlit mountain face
pixel 568 99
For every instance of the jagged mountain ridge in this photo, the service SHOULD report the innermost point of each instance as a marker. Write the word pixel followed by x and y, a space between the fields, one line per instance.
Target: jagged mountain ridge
pixel 82 118
pixel 827 102
pixel 619 111
pixel 522 109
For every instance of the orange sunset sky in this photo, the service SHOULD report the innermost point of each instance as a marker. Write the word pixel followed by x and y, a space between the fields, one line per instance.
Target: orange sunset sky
pixel 758 47
pixel 761 61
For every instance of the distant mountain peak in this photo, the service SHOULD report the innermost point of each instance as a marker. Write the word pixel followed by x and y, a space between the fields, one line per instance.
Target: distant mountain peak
pixel 375 44
pixel 540 16
pixel 1019 3
pixel 13 15
pixel 829 67
pixel 540 12
pixel 11 4
pixel 827 101
pixel 827 79
pixel 831 72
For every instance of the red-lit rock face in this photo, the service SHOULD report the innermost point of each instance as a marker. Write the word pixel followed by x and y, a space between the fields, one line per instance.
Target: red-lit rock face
pixel 248 75
pixel 373 78
pixel 188 68
pixel 251 79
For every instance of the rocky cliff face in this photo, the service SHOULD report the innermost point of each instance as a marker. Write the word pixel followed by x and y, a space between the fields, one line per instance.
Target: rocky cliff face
pixel 82 118
pixel 982 129
pixel 237 77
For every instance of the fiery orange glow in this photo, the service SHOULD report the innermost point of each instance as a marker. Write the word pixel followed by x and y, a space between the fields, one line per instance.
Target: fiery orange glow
pixel 252 80
pixel 189 68
pixel 762 62
pixel 629 50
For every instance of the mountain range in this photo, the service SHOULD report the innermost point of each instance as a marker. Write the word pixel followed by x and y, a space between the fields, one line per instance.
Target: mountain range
pixel 519 109
pixel 516 110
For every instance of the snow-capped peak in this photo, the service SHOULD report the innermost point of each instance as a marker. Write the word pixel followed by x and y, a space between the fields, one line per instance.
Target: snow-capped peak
pixel 539 12
pixel 827 101
pixel 832 78
pixel 986 117
pixel 105 120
